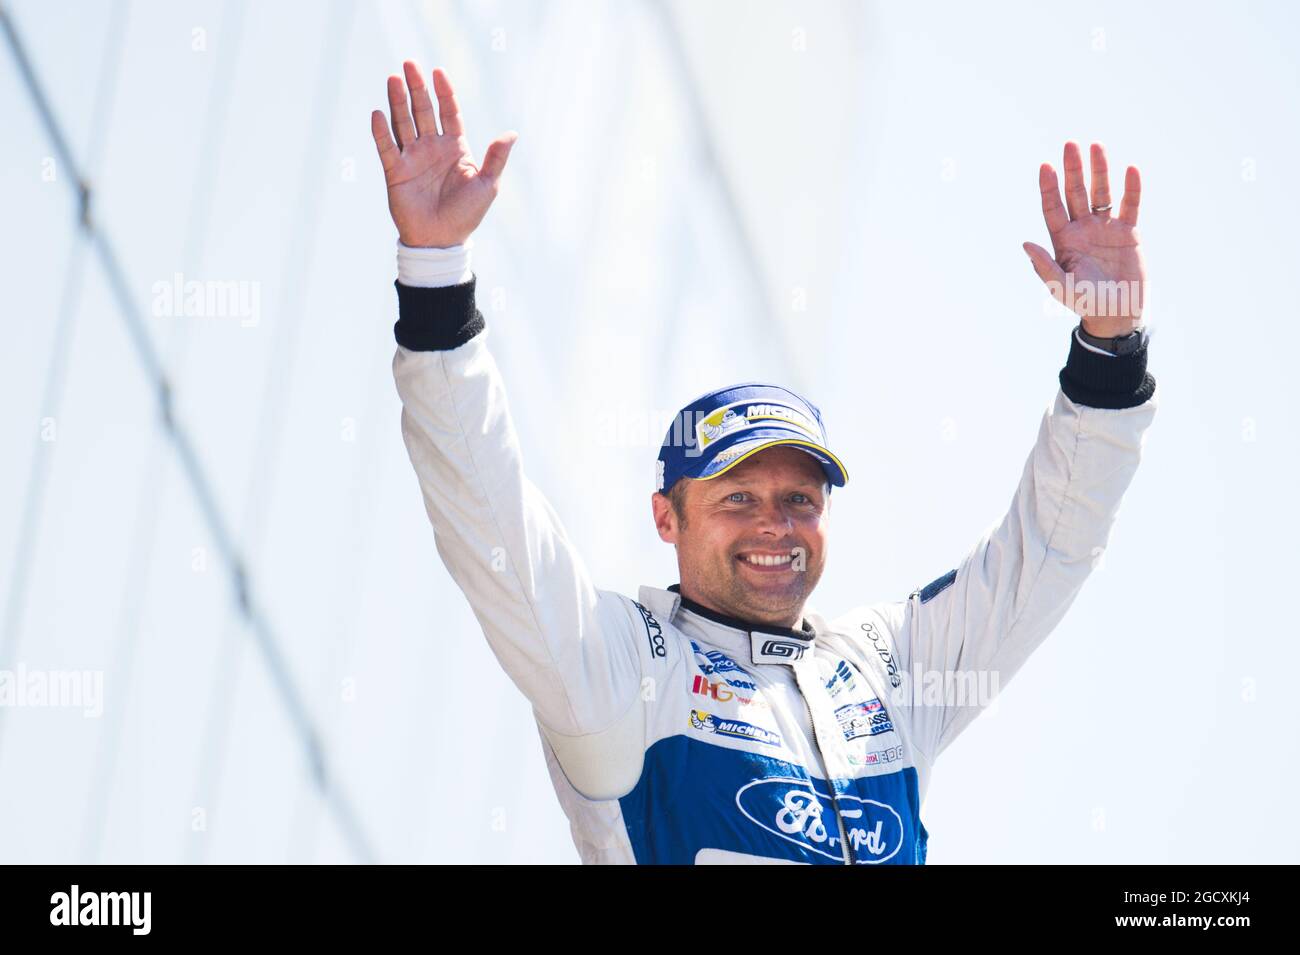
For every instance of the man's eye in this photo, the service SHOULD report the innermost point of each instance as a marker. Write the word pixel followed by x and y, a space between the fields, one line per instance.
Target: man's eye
pixel 736 496
pixel 804 496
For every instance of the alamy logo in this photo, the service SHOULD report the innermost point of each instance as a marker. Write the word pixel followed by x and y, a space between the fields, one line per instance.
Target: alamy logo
pixel 208 298
pixel 73 689
pixel 102 908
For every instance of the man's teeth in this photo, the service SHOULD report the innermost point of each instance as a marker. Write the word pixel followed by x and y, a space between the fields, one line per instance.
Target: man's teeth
pixel 766 560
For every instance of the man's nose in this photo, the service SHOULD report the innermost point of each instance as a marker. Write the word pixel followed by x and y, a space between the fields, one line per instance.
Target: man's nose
pixel 775 517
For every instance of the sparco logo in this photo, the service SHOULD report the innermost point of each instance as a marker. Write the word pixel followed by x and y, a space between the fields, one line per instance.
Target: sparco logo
pixel 654 633
pixel 885 654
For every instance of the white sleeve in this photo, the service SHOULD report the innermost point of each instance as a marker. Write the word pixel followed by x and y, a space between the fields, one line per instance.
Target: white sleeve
pixel 566 645
pixel 975 626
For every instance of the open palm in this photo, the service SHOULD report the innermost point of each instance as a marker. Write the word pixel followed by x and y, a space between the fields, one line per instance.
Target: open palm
pixel 436 194
pixel 1096 268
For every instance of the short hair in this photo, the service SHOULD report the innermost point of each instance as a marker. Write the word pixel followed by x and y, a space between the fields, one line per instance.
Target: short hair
pixel 677 495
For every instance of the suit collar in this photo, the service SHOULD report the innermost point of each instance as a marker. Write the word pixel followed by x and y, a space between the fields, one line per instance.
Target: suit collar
pixel 762 643
pixel 804 633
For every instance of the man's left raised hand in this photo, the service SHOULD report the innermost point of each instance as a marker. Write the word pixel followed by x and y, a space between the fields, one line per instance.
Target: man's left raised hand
pixel 1092 248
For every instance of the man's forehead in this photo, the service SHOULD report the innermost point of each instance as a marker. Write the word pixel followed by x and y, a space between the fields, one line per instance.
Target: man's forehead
pixel 780 461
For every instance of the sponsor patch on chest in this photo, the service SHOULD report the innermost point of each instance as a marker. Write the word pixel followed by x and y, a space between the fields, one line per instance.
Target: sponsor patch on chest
pixel 736 729
pixel 863 718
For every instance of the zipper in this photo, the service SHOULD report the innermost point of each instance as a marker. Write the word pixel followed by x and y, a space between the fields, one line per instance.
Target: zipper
pixel 830 783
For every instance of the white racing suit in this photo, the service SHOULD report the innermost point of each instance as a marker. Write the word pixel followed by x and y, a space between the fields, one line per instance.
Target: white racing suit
pixel 676 735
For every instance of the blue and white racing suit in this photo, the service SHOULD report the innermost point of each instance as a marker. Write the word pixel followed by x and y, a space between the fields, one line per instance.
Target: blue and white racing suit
pixel 676 735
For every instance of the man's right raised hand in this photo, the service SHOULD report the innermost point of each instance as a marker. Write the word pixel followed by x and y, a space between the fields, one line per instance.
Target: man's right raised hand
pixel 436 195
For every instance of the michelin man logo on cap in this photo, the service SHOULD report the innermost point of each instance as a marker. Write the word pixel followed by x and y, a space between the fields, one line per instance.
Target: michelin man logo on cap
pixel 722 428
pixel 744 414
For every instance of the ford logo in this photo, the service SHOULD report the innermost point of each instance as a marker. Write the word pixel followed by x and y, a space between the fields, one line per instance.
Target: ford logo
pixel 800 812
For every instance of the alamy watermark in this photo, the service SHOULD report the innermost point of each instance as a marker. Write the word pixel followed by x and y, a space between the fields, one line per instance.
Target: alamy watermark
pixel 77 907
pixel 208 298
pixel 1103 299
pixel 63 689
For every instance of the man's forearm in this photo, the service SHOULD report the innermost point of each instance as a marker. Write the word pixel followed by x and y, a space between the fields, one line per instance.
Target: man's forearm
pixel 985 617
pixel 568 647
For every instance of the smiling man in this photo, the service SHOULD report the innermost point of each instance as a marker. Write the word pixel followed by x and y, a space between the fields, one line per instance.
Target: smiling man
pixel 721 719
pixel 748 481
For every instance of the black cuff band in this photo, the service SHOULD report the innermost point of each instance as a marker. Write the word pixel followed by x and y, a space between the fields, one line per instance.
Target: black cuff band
pixel 1106 381
pixel 437 319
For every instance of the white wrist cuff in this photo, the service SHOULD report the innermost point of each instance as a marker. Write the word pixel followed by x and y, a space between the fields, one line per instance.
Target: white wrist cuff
pixel 433 268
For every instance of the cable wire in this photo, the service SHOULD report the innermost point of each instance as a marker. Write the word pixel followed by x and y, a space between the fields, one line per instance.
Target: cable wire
pixel 148 514
pixel 191 465
pixel 275 393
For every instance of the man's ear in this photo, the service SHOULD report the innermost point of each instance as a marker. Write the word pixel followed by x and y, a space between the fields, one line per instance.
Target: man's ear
pixel 665 518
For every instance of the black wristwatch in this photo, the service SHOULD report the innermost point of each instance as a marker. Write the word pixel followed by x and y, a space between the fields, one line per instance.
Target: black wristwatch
pixel 1120 345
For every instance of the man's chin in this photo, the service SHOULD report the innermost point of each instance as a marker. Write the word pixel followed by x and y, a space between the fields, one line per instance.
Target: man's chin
pixel 778 595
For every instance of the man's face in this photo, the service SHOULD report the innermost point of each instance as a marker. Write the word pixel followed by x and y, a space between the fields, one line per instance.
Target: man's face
pixel 772 506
